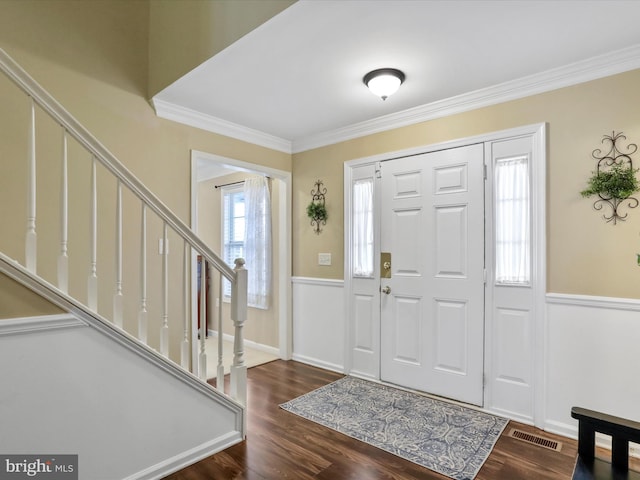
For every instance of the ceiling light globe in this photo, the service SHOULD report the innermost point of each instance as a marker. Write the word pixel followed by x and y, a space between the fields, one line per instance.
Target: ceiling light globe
pixel 384 82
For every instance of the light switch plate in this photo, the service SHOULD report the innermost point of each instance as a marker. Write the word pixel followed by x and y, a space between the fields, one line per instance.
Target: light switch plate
pixel 324 259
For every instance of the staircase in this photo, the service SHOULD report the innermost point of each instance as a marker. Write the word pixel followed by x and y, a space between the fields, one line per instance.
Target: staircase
pixel 119 378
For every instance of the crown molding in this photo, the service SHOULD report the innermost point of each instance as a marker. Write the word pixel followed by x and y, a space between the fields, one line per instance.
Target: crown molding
pixel 193 118
pixel 572 74
pixel 575 73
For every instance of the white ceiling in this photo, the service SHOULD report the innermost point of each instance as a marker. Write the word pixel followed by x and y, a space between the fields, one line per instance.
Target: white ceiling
pixel 296 81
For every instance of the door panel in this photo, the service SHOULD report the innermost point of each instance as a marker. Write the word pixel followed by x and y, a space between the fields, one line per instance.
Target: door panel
pixel 364 310
pixel 451 241
pixel 451 323
pixel 432 320
pixel 408 237
pixel 407 329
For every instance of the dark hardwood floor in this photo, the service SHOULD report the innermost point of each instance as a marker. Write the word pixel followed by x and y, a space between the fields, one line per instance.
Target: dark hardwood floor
pixel 281 445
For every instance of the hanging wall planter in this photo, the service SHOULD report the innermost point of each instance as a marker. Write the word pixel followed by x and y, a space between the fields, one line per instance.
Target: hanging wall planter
pixel 316 210
pixel 614 181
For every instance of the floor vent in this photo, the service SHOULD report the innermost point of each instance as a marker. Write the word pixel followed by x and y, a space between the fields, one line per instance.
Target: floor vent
pixel 535 439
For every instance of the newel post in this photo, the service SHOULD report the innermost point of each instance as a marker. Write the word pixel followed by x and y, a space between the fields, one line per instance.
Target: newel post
pixel 239 316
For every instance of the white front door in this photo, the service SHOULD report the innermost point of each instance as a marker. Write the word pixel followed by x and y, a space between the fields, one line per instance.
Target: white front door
pixel 432 305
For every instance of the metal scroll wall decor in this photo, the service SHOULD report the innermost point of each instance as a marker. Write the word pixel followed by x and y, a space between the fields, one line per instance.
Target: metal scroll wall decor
pixel 614 180
pixel 316 210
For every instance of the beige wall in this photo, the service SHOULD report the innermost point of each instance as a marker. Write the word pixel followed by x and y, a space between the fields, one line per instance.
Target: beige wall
pixel 18 301
pixel 98 71
pixel 586 255
pixel 262 325
pixel 185 33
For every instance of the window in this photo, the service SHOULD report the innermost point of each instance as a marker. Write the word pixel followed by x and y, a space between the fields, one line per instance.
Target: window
pixel 512 221
pixel 257 241
pixel 246 233
pixel 363 228
pixel 233 226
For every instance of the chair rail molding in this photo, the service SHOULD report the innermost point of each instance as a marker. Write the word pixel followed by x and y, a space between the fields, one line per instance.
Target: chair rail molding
pixel 592 301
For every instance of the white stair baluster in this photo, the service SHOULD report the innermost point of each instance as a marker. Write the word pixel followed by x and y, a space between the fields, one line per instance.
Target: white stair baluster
pixel 31 237
pixel 184 350
pixel 164 332
pixel 92 284
pixel 63 258
pixel 220 374
pixel 202 358
pixel 117 296
pixel 238 379
pixel 142 314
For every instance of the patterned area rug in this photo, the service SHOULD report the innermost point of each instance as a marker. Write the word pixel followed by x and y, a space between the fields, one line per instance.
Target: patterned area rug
pixel 441 436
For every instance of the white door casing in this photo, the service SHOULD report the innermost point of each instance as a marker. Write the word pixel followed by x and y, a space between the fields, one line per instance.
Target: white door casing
pixel 515 365
pixel 285 323
pixel 432 319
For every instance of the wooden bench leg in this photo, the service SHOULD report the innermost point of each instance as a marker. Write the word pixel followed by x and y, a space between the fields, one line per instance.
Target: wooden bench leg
pixel 620 453
pixel 586 441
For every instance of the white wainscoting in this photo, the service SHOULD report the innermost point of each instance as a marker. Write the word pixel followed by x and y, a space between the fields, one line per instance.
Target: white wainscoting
pixel 318 322
pixel 592 350
pixel 593 358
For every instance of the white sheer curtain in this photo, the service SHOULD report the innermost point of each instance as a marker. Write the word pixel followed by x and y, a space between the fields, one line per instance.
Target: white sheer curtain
pixel 363 228
pixel 257 240
pixel 512 221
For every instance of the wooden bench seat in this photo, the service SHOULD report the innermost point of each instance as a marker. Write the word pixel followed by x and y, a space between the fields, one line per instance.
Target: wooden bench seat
pixel 621 430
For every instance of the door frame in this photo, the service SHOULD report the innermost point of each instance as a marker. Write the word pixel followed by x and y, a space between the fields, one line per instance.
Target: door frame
pixel 538 253
pixel 285 336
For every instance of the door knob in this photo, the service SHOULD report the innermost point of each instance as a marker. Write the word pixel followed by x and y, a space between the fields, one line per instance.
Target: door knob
pixel 386 290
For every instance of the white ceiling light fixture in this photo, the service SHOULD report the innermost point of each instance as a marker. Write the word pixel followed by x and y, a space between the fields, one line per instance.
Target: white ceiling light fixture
pixel 384 82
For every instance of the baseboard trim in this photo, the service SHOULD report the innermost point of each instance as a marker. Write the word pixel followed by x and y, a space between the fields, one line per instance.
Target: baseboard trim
pixel 314 362
pixel 248 343
pixel 42 323
pixel 560 428
pixel 185 459
pixel 571 431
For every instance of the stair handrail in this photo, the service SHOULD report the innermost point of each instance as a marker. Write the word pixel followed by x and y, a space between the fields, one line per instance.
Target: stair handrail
pixel 32 88
pixel 23 276
pixel 100 154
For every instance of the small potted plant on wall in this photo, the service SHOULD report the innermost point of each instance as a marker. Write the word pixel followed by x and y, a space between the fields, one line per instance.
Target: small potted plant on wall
pixel 317 212
pixel 619 182
pixel 613 186
pixel 614 181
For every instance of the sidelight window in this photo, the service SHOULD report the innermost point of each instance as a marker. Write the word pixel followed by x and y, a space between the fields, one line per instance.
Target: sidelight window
pixel 512 221
pixel 363 228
